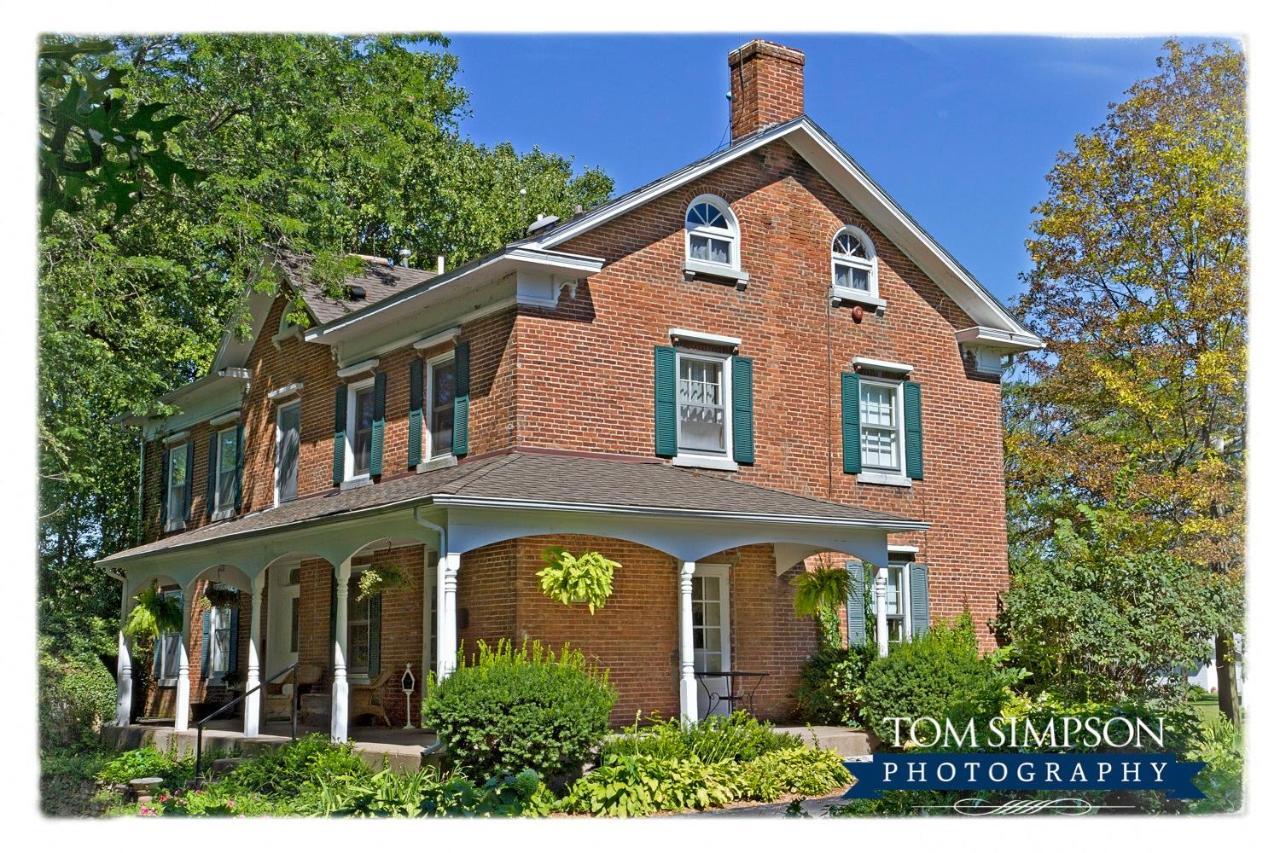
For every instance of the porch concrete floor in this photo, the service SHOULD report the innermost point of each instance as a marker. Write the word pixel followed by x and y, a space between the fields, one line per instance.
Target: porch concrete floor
pixel 848 742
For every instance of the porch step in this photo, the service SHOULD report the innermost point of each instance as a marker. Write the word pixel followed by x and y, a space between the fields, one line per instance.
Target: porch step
pixel 848 742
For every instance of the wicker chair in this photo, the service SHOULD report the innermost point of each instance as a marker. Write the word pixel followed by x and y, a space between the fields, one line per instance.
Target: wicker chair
pixel 278 699
pixel 367 699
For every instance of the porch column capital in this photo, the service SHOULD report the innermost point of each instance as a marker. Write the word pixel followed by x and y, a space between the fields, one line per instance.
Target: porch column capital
pixel 253 699
pixel 338 709
pixel 688 684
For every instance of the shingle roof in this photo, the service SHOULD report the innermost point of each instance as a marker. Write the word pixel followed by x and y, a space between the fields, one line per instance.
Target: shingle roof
pixel 377 278
pixel 543 479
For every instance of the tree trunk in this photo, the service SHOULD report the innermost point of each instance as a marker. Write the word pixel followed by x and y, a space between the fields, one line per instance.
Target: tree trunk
pixel 1224 654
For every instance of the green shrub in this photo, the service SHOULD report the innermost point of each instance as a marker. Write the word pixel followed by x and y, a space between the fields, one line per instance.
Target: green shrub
pixel 938 675
pixel 799 770
pixel 829 682
pixel 1222 779
pixel 77 695
pixel 737 737
pixel 143 762
pixel 515 709
pixel 508 796
pixel 298 768
pixel 68 787
pixel 638 785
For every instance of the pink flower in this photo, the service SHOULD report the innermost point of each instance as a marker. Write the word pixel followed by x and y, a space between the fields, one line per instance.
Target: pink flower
pixel 146 810
pixel 231 804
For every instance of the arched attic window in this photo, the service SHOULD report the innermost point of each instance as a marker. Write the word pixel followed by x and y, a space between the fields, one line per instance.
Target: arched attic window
pixel 711 233
pixel 853 264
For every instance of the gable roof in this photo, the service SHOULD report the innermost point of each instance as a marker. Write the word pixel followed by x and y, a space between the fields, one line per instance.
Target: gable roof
pixel 852 181
pixel 378 279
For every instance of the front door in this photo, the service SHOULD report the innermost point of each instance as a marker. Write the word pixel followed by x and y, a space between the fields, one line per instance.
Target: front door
pixel 711 638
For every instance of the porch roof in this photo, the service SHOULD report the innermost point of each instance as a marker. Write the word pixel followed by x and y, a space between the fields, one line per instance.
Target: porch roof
pixel 524 480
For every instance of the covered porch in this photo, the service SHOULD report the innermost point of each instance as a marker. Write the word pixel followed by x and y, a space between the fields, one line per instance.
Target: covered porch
pixel 697 535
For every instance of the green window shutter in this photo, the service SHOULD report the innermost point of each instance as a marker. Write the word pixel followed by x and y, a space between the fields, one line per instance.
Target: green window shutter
pixel 744 439
pixel 911 421
pixel 462 397
pixel 211 484
pixel 164 487
pixel 204 644
pixel 850 423
pixel 379 423
pixel 375 635
pixel 233 663
pixel 239 466
pixel 856 606
pixel 339 434
pixel 919 598
pixel 664 401
pixel 415 412
pixel 191 469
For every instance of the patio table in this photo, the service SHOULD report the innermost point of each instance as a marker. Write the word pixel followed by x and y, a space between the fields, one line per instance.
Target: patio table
pixel 738 685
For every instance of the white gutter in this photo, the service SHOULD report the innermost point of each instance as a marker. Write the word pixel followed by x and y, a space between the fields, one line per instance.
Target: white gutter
pixel 670 512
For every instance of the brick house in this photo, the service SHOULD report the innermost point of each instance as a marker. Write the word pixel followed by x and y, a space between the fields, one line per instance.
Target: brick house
pixel 750 365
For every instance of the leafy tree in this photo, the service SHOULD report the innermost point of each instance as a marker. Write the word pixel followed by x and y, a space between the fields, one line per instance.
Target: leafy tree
pixel 1093 622
pixel 1138 286
pixel 92 139
pixel 321 144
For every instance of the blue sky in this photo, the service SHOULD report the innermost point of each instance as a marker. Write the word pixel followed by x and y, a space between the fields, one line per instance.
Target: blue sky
pixel 961 130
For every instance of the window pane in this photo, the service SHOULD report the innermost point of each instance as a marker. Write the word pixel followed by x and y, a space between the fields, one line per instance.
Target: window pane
pixel 363 429
pixel 287 454
pixel 443 390
pixel 851 277
pixel 893 591
pixel 358 647
pixel 178 465
pixel 878 411
pixel 227 450
pixel 701 398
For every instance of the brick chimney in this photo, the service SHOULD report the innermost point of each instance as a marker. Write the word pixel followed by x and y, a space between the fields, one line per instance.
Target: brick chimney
pixel 766 84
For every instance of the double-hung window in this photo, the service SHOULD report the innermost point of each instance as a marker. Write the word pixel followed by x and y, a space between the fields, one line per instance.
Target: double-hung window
pixel 703 424
pixel 880 415
pixel 225 466
pixel 441 388
pixel 896 603
pixel 220 641
pixel 362 632
pixel 360 427
pixel 288 442
pixel 176 487
pixel 164 664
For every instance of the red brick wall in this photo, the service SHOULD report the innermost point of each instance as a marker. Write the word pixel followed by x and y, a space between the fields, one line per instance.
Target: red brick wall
pixel 594 355
pixel 636 635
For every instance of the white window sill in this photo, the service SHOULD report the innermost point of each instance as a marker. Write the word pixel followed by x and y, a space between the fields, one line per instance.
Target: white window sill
pixel 728 273
pixel 862 297
pixel 358 679
pixel 715 463
pixel 436 463
pixel 357 482
pixel 884 478
pixel 174 526
pixel 221 514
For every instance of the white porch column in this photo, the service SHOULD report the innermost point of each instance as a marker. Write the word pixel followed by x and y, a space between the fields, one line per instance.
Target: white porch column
pixel 338 709
pixel 688 684
pixel 182 697
pixel 447 614
pixel 882 611
pixel 124 664
pixel 253 701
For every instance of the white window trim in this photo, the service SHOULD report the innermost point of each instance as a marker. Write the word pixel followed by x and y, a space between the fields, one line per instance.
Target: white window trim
pixel 733 235
pixel 353 676
pixel 882 366
pixel 904 594
pixel 707 338
pixel 173 522
pixel 221 511
pixel 430 458
pixel 349 476
pixel 714 461
pixel 280 410
pixel 870 296
pixel 887 476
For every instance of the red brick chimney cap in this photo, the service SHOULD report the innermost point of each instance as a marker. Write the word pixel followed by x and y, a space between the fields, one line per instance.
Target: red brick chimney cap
pixel 762 47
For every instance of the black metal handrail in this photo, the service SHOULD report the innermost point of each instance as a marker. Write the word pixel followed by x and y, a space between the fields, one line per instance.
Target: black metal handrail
pixel 293 710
